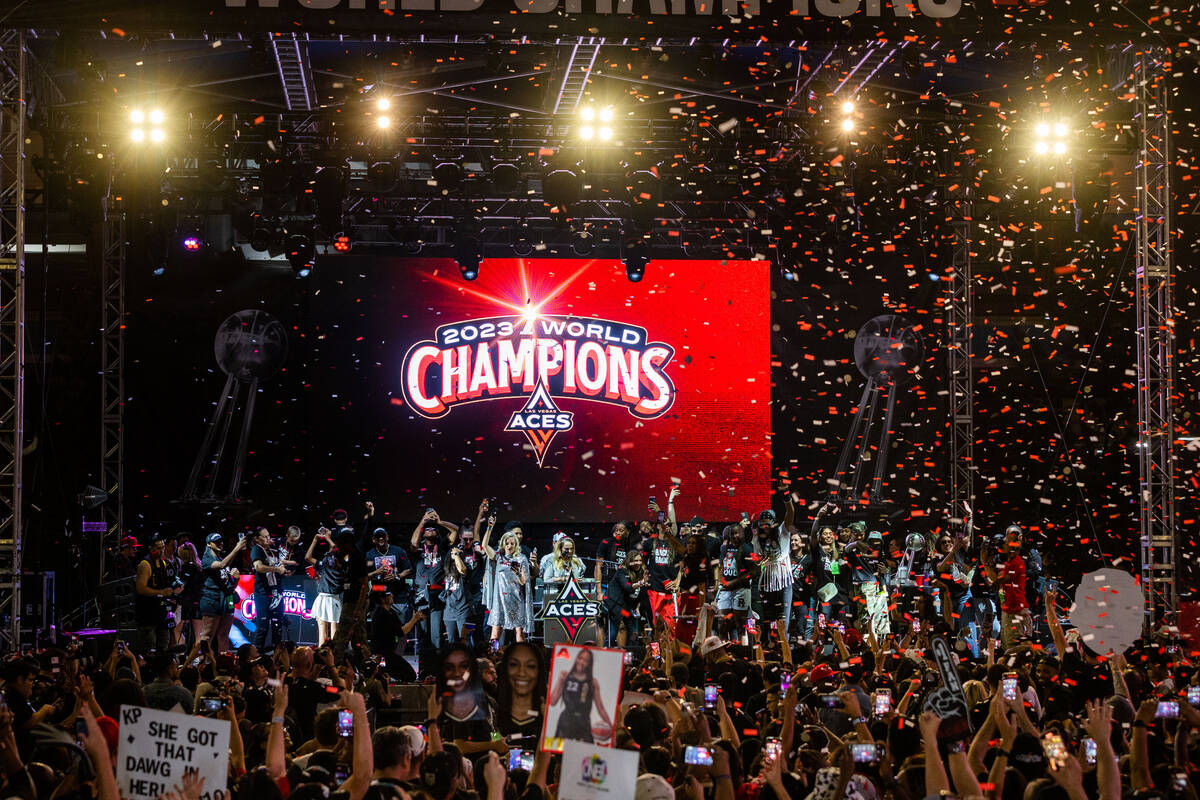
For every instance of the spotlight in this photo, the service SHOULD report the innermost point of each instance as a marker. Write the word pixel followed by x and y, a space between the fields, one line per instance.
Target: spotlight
pixel 605 134
pixel 341 243
pixel 847 124
pixel 1060 148
pixel 1041 148
pixel 192 243
pixel 587 114
pixel 606 115
pixel 137 117
pixel 1060 129
pixel 157 135
pixel 848 107
pixel 635 261
pixel 587 133
pixel 1051 137
pixel 466 253
pixel 137 134
pixel 383 104
pixel 1043 129
pixel 382 176
pixel 260 234
pixel 583 243
pixel 156 117
pixel 299 250
pixel 383 122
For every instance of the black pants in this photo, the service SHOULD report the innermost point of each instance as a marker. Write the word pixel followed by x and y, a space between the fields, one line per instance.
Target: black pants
pixel 268 616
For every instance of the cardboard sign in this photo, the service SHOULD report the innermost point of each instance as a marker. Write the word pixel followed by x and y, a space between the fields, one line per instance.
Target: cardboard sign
pixel 1108 611
pixel 590 772
pixel 157 747
pixel 585 691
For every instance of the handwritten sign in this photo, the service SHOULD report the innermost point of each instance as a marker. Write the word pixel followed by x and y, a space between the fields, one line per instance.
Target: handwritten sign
pixel 157 747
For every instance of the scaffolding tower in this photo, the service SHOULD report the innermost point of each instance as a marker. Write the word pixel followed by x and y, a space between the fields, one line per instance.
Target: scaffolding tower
pixel 13 79
pixel 1155 339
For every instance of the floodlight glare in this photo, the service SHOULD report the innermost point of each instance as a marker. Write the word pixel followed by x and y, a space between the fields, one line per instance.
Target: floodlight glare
pixel 157 135
pixel 383 122
pixel 847 124
pixel 606 115
pixel 156 117
pixel 383 104
pixel 848 107
pixel 1060 129
pixel 137 134
pixel 1060 147
pixel 605 134
pixel 587 114
pixel 1042 129
pixel 587 132
pixel 137 117
pixel 1041 148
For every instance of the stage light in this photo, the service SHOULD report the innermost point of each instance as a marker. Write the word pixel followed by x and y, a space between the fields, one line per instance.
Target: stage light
pixel 260 234
pixel 1060 129
pixel 847 124
pixel 635 270
pixel 300 251
pixel 192 243
pixel 605 134
pixel 848 107
pixel 606 115
pixel 156 117
pixel 383 122
pixel 635 260
pixel 587 132
pixel 137 117
pixel 583 243
pixel 383 104
pixel 1051 137
pixel 137 134
pixel 382 176
pixel 1041 148
pixel 1060 148
pixel 467 254
pixel 587 114
pixel 157 135
pixel 342 244
pixel 1043 129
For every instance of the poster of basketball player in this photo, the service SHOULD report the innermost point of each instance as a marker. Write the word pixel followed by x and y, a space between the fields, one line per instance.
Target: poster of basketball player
pixel 585 692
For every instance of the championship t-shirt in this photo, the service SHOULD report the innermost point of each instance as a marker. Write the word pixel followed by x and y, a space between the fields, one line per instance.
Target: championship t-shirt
pixel 735 566
pixel 611 554
pixel 660 562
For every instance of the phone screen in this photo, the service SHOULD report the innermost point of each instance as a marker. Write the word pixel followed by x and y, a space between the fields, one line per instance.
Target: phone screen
pixel 863 752
pixel 213 704
pixel 697 756
pixel 1055 750
pixel 628 657
pixel 345 725
pixel 751 624
pixel 514 758
pixel 1089 750
pixel 81 728
pixel 773 749
pixel 1194 696
pixel 654 649
pixel 710 695
pixel 785 682
pixel 883 702
pixel 1010 687
pixel 1168 709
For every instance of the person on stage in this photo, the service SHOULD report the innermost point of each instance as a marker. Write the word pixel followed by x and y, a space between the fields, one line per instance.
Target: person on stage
pixel 431 545
pixel 1015 621
pixel 734 572
pixel 508 598
pixel 662 548
pixel 828 569
pixel 801 612
pixel 330 572
pixel 189 598
pixel 578 691
pixel 154 588
pixel 217 595
pixel 389 565
pixel 771 545
pixel 268 602
pixel 561 564
pixel 624 600
pixel 464 575
pixel 864 558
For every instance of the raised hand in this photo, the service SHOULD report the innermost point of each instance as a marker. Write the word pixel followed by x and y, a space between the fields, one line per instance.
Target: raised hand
pixel 929 723
pixel 1099 720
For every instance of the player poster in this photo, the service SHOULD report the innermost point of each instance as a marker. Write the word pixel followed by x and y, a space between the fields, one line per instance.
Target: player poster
pixel 585 692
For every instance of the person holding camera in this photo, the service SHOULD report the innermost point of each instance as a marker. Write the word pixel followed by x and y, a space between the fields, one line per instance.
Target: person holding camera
pixel 268 601
pixel 217 596
pixel 154 587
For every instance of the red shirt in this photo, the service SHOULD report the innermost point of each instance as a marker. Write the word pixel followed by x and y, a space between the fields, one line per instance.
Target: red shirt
pixel 1012 586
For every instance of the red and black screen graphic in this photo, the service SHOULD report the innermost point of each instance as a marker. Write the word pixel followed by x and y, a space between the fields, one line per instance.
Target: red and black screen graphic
pixel 556 386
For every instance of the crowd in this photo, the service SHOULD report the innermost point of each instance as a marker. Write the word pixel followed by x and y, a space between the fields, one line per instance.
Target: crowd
pixel 766 662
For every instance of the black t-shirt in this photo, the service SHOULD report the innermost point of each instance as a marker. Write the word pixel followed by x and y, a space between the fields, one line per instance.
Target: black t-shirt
pixel 331 574
pixel 619 594
pixel 611 555
pixel 263 581
pixel 386 630
pixel 661 561
pixel 22 712
pixel 735 566
pixel 429 564
pixel 218 581
pixel 396 562
pixel 304 696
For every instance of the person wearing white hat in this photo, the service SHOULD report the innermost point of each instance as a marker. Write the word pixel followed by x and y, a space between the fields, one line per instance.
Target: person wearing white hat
pixel 653 787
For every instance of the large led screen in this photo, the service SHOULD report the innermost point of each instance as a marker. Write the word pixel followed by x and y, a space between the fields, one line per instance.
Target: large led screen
pixel 556 386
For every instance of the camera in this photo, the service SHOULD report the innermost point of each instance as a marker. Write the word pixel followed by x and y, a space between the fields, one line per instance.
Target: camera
pixel 212 705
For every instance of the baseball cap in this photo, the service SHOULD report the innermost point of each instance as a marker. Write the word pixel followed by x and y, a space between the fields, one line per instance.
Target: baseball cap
pixel 415 740
pixel 696 521
pixel 558 537
pixel 379 533
pixel 158 536
pixel 129 541
pixel 711 645
pixel 214 537
pixel 653 787
pixel 819 673
pixel 340 513
pixel 874 536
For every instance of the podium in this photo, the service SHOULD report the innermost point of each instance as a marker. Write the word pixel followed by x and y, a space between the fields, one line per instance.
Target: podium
pixel 569 615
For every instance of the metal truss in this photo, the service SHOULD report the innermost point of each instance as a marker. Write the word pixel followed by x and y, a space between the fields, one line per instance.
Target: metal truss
pixel 13 69
pixel 295 70
pixel 112 368
pixel 959 205
pixel 579 69
pixel 1155 339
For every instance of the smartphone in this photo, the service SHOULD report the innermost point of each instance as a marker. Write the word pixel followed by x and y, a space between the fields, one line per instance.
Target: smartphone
pixel 494 645
pixel 916 626
pixel 883 702
pixel 211 705
pixel 745 516
pixel 1179 781
pixel 121 648
pixel 785 682
pixel 654 649
pixel 1089 750
pixel 661 517
pixel 81 730
pixel 1167 709
pixel 628 657
pixel 710 695
pixel 1009 686
pixel 697 756
pixel 864 752
pixel 345 725
pixel 751 624
pixel 831 701
pixel 514 758
pixel 527 760
pixel 340 773
pixel 1194 696
pixel 1056 751
pixel 772 750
